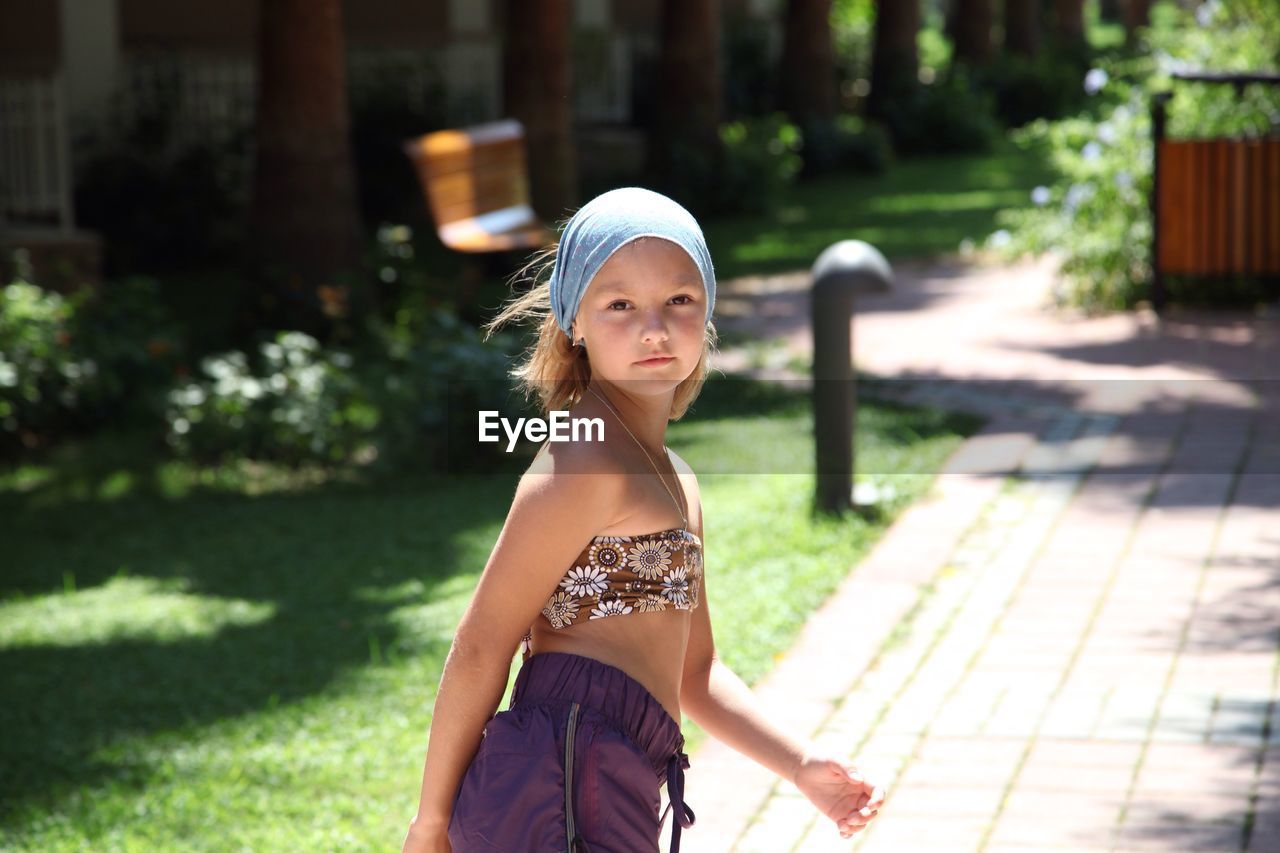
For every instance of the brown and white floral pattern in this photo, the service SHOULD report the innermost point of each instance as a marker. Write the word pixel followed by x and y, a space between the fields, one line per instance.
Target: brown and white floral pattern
pixel 608 556
pixel 651 602
pixel 585 580
pixel 650 560
pixel 675 586
pixel 615 607
pixel 560 610
pixel 617 575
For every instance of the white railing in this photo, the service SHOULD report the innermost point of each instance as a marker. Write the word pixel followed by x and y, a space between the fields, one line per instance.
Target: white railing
pixel 473 80
pixel 204 96
pixel 35 171
pixel 602 78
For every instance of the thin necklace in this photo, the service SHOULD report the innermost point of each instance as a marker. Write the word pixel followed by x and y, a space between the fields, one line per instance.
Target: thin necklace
pixel 683 517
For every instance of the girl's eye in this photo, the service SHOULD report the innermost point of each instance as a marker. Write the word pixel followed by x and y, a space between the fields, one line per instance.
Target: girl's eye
pixel 683 296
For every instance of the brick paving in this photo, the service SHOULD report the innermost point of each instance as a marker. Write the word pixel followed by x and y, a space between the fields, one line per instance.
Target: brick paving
pixel 1071 642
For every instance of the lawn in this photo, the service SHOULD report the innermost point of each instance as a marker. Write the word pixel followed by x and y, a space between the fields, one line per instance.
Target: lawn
pixel 247 659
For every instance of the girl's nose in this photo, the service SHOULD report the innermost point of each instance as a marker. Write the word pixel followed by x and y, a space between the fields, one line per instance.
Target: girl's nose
pixel 655 326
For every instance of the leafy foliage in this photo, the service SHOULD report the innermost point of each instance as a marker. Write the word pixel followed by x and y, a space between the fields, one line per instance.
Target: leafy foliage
pixel 1097 216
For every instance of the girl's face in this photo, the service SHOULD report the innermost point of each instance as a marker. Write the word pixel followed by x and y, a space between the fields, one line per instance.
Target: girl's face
pixel 647 300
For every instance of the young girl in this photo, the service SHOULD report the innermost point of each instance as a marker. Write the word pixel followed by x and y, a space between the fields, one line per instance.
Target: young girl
pixel 599 570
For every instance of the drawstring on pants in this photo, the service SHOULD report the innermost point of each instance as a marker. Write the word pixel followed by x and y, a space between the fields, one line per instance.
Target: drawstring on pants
pixel 684 817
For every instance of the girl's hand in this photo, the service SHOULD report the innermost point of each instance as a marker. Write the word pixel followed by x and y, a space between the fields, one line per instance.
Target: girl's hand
pixel 839 791
pixel 426 837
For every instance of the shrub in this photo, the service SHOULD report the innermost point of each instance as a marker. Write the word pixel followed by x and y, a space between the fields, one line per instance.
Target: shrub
pixel 759 161
pixel 1097 217
pixel 296 402
pixel 948 116
pixel 846 143
pixel 41 374
pixel 397 398
pixel 70 363
pixel 1045 86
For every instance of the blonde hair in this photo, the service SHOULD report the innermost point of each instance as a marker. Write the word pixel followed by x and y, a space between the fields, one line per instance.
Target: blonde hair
pixel 554 370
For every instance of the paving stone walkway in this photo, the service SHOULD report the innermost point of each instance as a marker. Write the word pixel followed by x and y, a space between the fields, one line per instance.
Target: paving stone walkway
pixel 1072 642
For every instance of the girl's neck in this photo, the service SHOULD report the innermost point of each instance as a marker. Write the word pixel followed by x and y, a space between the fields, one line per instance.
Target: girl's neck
pixel 646 417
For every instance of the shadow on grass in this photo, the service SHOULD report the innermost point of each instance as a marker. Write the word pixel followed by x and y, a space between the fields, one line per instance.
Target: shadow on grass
pixel 326 565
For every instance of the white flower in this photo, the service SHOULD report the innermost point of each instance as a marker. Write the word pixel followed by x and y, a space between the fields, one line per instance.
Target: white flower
pixel 585 580
pixel 1091 151
pixel 999 239
pixel 1076 195
pixel 1207 12
pixel 8 374
pixel 675 587
pixel 561 609
pixel 251 388
pixel 651 602
pixel 649 559
pixel 1106 133
pixel 616 607
pixel 1124 180
pixel 1040 196
pixel 1095 80
pixel 1121 114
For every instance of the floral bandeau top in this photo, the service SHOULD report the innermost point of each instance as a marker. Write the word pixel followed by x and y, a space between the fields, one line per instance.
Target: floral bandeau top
pixel 616 575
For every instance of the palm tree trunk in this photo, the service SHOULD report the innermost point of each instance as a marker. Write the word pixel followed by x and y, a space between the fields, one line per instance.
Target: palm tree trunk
pixel 807 89
pixel 1022 27
pixel 1070 15
pixel 537 91
pixel 973 45
pixel 688 108
pixel 1137 13
pixel 895 59
pixel 304 213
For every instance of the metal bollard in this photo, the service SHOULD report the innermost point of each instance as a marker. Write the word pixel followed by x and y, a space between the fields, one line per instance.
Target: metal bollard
pixel 842 271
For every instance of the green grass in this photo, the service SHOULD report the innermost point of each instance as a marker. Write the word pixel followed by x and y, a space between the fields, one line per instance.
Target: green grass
pixel 919 208
pixel 248 658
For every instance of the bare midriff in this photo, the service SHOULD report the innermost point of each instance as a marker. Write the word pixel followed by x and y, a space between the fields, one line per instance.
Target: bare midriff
pixel 649 647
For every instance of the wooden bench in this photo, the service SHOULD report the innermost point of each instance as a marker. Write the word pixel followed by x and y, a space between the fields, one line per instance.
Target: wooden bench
pixel 476 182
pixel 1215 203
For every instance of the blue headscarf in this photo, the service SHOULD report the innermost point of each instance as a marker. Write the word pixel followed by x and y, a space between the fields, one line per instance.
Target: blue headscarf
pixel 607 223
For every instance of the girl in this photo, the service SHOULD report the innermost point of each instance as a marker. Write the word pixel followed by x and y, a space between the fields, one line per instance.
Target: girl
pixel 619 614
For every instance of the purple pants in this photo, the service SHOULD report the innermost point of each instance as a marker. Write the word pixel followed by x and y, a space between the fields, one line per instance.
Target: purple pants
pixel 575 763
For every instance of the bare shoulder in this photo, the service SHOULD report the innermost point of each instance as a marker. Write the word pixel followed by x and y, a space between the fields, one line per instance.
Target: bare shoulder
pixel 690 481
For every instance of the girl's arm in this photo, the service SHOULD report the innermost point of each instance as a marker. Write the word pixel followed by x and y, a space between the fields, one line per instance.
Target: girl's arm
pixel 721 703
pixel 551 517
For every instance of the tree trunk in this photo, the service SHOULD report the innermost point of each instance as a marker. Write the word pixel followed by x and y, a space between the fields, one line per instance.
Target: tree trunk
pixel 1137 13
pixel 304 213
pixel 1070 24
pixel 895 60
pixel 537 91
pixel 1022 27
pixel 973 45
pixel 687 110
pixel 807 89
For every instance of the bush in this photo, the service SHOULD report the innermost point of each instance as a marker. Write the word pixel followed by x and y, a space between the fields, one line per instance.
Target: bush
pixel 396 399
pixel 759 161
pixel 41 374
pixel 949 116
pixel 297 402
pixel 846 143
pixel 1046 86
pixel 70 363
pixel 1097 217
